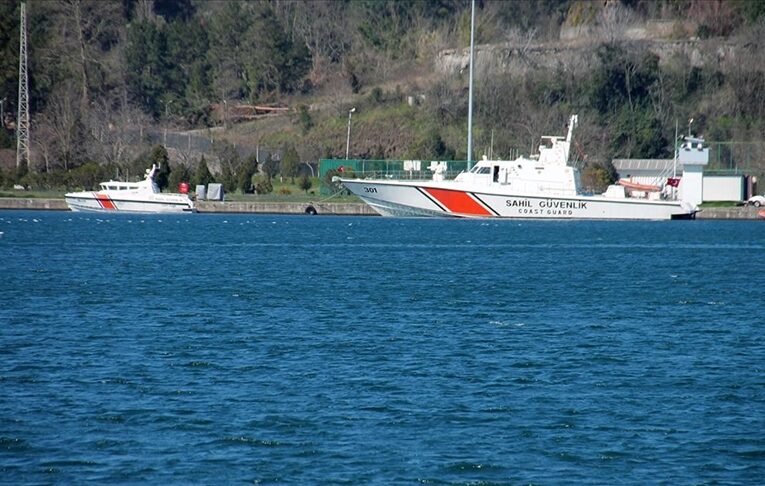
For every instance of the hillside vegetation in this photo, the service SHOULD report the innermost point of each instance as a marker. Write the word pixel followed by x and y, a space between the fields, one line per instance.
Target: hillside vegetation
pixel 104 73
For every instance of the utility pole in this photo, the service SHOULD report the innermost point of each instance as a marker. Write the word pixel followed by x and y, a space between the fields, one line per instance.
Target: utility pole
pixel 22 122
pixel 470 93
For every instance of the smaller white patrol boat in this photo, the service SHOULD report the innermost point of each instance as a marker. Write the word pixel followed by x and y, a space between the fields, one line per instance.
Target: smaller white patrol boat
pixel 134 197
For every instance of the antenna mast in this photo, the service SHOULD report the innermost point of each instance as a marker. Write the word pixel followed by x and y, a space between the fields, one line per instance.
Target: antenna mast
pixel 22 122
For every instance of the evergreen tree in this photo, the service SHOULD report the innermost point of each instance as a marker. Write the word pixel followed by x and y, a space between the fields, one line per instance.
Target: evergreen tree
pixel 180 173
pixel 202 176
pixel 146 57
pixel 9 61
pixel 227 51
pixel 228 178
pixel 290 162
pixel 270 167
pixel 247 170
pixel 187 47
pixel 263 184
pixel 304 118
pixel 305 183
pixel 274 63
pixel 160 158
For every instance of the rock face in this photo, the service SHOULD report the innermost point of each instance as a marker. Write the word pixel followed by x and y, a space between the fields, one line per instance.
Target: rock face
pixel 577 45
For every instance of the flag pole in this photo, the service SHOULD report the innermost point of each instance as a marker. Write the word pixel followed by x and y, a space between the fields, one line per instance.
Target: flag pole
pixel 674 164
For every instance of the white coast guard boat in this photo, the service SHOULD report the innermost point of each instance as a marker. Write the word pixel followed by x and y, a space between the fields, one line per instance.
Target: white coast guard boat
pixel 543 186
pixel 137 197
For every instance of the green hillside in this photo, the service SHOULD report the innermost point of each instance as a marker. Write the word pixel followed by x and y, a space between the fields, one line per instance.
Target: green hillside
pixel 105 75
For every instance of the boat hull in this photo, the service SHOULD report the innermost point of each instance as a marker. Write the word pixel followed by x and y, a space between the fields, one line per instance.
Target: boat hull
pixel 102 203
pixel 419 199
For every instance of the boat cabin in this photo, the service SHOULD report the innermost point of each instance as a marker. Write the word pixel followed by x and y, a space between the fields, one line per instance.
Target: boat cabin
pixel 547 172
pixel 118 186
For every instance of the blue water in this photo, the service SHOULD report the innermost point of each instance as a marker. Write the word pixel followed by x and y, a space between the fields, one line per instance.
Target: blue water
pixel 225 349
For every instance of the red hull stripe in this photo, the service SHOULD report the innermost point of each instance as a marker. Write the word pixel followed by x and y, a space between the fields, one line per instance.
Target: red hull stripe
pixel 104 201
pixel 458 202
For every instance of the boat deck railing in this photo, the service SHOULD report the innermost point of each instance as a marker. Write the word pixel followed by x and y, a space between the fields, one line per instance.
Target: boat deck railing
pixel 388 169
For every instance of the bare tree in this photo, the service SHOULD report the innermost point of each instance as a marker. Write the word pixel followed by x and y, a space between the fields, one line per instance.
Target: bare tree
pixel 613 20
pixel 114 131
pixel 144 11
pixel 62 120
pixel 85 31
pixel 320 25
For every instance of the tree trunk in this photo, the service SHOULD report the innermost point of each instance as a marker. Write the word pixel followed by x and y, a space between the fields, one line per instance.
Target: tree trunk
pixel 83 59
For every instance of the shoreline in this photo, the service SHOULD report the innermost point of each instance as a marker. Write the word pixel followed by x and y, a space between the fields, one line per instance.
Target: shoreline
pixel 750 213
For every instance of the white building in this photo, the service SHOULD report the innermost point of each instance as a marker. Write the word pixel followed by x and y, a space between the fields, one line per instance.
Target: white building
pixel 694 186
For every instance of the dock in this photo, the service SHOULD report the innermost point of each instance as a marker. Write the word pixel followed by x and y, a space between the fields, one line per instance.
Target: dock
pixel 329 208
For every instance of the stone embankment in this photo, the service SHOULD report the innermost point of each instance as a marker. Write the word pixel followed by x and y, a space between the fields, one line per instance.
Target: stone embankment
pixel 348 209
pixel 20 203
pixel 326 208
pixel 737 212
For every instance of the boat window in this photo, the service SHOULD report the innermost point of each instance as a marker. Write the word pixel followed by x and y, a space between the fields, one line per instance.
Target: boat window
pixel 484 170
pixel 475 169
pixel 112 188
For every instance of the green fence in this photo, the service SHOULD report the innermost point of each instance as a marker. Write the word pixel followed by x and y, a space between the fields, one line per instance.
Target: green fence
pixel 745 158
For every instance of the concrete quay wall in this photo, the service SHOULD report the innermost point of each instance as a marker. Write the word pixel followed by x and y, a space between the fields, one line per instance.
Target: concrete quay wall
pixel 348 209
pixel 33 203
pixel 326 208
pixel 737 212
pixel 329 208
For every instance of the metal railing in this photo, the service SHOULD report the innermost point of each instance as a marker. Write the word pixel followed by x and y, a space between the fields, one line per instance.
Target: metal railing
pixel 388 169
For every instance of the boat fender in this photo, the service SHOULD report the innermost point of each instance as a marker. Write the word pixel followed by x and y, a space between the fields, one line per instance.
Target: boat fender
pixel 310 210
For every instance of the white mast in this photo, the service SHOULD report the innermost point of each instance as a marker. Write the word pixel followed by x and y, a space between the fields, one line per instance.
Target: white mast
pixel 674 161
pixel 22 122
pixel 470 95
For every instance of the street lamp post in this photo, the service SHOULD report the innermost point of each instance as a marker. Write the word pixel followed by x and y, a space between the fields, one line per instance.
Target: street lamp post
pixel 348 140
pixel 166 104
pixel 310 167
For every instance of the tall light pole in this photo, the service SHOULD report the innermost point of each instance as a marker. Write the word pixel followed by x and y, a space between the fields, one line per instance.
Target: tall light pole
pixel 348 139
pixel 470 93
pixel 166 105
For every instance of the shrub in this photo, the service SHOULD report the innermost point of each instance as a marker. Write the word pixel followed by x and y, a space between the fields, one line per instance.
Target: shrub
pixel 304 119
pixel 263 184
pixel 305 183
pixel 376 96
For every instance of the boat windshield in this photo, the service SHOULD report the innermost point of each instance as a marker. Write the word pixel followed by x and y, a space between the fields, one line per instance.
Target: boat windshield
pixel 480 170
